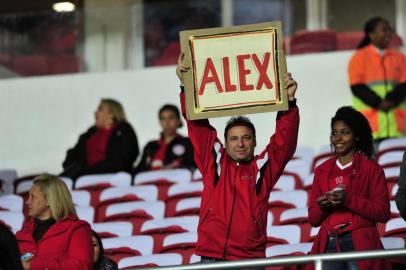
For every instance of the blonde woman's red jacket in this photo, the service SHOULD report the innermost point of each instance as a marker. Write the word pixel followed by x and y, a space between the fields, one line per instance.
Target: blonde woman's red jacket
pixel 234 205
pixel 65 245
pixel 367 197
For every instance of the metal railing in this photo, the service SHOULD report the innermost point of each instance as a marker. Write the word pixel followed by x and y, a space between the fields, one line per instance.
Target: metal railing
pixel 290 260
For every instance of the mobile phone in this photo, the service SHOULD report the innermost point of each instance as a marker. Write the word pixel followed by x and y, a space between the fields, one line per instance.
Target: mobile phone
pixel 26 256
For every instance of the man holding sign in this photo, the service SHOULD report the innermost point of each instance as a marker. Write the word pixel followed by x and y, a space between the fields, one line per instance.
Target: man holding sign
pixel 237 184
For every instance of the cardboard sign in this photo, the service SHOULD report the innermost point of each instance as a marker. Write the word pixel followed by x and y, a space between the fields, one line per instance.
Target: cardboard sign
pixel 234 70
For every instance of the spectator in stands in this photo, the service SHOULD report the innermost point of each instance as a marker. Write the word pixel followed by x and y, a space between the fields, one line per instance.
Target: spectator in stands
pixel 401 193
pixel 237 184
pixel 107 147
pixel 9 252
pixel 172 150
pixel 349 195
pixel 377 75
pixel 100 261
pixel 54 237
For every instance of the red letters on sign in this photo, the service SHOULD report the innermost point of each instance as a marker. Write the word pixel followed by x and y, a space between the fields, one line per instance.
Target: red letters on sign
pixel 263 77
pixel 210 74
pixel 227 83
pixel 242 72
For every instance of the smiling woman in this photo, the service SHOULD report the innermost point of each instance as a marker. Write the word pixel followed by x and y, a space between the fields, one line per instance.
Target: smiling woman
pixel 53 237
pixel 347 211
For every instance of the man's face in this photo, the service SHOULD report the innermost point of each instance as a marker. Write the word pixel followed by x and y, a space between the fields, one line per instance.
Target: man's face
pixel 240 143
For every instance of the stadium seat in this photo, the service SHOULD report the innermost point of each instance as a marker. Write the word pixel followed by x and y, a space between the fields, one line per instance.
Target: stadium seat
pixel 187 207
pixel 160 228
pixel 194 259
pixel 64 63
pixel 169 54
pixel 135 212
pixel 178 192
pixel 349 40
pixel 197 175
pixel 391 158
pixel 301 167
pixel 30 65
pixel 81 197
pixel 12 219
pixel 163 179
pixel 8 176
pixel 288 181
pixel 117 248
pixel 112 179
pixel 313 41
pixel 394 210
pixel 395 227
pixel 180 243
pixel 322 155
pixel 150 260
pixel 11 203
pixel 304 153
pixel 394 144
pixel 96 183
pixel 23 185
pixel 115 195
pixel 85 213
pixel 113 229
pixel 283 234
pixel 396 41
pixel 288 249
pixel 279 201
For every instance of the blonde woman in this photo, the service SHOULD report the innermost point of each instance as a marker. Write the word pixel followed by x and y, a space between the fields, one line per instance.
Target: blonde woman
pixel 107 147
pixel 53 237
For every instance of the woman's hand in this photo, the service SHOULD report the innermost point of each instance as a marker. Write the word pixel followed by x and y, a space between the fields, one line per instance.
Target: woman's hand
pixel 181 68
pixel 290 86
pixel 26 263
pixel 337 197
pixel 324 203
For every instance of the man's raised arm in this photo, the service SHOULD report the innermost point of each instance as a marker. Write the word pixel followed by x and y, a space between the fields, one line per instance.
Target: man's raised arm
pixel 202 135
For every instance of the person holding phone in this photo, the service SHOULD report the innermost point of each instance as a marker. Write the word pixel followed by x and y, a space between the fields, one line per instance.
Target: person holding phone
pixel 53 237
pixel 349 195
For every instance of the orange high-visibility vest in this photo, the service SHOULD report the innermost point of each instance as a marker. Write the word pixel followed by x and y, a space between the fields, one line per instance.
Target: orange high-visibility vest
pixel 381 73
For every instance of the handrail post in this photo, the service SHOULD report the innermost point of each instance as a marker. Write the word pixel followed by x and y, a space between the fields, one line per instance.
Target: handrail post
pixel 318 264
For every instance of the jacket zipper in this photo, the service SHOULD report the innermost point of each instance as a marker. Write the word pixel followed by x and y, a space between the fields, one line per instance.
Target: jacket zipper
pixel 232 211
pixel 386 91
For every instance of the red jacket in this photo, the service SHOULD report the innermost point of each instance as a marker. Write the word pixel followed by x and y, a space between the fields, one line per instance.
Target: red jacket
pixel 234 206
pixel 367 197
pixel 66 245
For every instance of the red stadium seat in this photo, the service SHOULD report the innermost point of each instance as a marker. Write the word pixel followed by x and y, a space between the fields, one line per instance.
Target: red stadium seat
pixel 349 40
pixel 65 63
pixel 313 41
pixel 169 55
pixel 30 65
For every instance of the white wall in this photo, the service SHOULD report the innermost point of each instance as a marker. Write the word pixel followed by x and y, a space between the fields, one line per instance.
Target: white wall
pixel 42 117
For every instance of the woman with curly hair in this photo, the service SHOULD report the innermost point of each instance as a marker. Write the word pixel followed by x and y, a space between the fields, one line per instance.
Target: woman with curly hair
pixel 349 195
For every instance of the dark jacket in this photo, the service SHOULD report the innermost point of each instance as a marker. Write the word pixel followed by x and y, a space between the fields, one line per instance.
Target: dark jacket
pixel 401 193
pixel 179 149
pixel 234 206
pixel 121 152
pixel 9 252
pixel 66 245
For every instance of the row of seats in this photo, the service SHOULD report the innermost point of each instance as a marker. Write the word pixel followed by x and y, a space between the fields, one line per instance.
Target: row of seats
pixel 41 64
pixel 152 218
pixel 303 41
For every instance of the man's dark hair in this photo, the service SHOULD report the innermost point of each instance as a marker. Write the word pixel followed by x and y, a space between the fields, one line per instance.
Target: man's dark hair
pixel 239 121
pixel 360 126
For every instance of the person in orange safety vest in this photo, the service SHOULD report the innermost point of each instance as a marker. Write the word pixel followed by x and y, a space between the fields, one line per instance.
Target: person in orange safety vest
pixel 377 75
